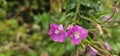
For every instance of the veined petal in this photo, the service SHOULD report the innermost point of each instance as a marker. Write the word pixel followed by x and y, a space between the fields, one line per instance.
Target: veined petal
pixel 57 33
pixel 77 33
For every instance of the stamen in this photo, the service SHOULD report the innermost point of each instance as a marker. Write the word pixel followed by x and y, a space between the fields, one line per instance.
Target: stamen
pixel 57 31
pixel 77 35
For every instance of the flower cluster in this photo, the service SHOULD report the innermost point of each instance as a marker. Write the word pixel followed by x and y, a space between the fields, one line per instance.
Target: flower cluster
pixel 76 33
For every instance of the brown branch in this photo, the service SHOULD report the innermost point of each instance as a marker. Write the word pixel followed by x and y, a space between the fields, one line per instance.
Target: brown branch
pixel 51 6
pixel 111 15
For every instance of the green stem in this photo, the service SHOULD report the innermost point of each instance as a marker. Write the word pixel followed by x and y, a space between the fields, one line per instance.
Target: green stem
pixel 90 30
pixel 77 47
pixel 88 19
pixel 77 10
pixel 100 50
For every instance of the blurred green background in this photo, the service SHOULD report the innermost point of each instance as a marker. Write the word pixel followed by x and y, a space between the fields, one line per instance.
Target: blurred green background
pixel 24 25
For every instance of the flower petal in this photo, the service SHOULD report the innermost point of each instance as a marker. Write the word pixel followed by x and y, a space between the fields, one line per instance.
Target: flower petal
pixel 77 33
pixel 58 36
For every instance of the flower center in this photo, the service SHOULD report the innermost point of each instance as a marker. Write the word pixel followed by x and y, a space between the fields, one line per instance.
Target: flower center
pixel 57 31
pixel 77 35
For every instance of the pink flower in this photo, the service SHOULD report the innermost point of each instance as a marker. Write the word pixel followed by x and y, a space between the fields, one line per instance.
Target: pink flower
pixel 107 46
pixel 57 33
pixel 106 18
pixel 77 33
pixel 92 51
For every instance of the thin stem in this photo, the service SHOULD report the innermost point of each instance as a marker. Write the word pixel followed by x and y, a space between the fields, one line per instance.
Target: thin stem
pixel 77 10
pixel 100 50
pixel 110 16
pixel 77 53
pixel 88 19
